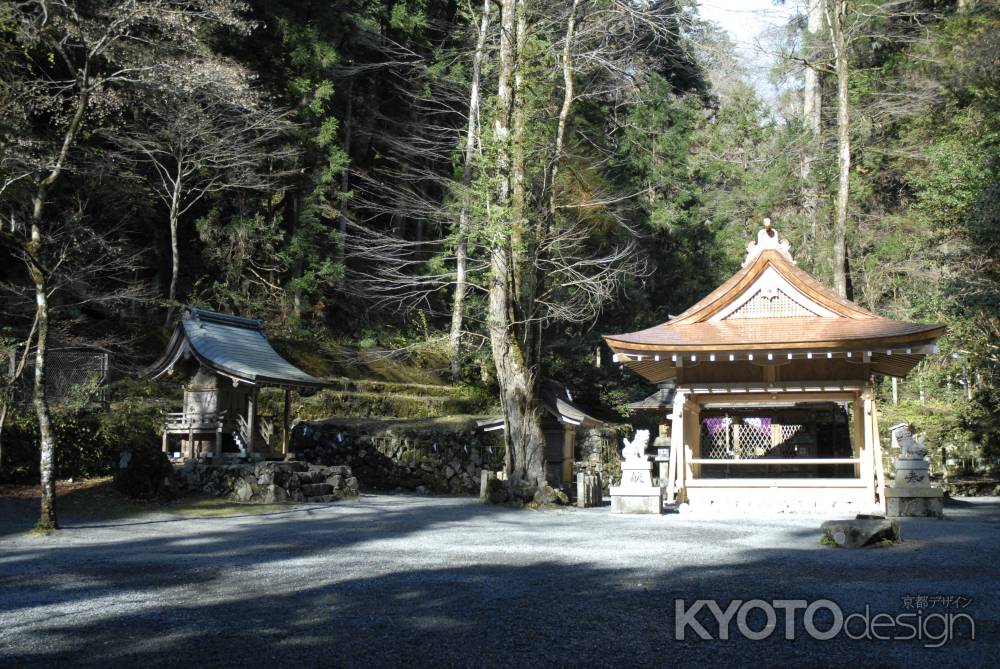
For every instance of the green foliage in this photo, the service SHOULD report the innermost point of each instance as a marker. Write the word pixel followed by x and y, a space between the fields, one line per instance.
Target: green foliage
pixel 88 439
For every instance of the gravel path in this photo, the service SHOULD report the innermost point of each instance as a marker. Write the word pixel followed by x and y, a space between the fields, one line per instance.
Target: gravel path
pixel 441 582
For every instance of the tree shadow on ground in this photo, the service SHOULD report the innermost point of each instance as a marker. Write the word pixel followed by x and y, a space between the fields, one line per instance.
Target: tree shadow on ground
pixel 362 587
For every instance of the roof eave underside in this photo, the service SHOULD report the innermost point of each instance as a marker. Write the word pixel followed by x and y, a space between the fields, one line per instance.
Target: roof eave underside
pixel 924 335
pixel 895 365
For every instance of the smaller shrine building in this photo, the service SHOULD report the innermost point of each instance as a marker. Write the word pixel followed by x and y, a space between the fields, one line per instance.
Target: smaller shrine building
pixel 226 360
pixel 773 402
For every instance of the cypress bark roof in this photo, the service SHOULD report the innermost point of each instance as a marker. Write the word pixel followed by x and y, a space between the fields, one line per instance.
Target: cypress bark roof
pixel 232 346
pixel 771 305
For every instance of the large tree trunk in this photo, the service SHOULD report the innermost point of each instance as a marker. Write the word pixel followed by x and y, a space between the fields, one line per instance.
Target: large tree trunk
pixel 525 443
pixel 47 519
pixel 175 251
pixel 812 105
pixel 837 18
pixel 461 238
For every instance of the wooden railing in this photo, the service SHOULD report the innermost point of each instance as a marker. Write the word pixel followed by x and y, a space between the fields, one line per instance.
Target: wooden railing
pixel 774 461
pixel 265 430
pixel 182 422
pixel 191 424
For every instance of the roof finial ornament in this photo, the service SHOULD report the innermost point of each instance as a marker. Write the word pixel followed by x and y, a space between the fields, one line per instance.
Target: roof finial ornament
pixel 767 238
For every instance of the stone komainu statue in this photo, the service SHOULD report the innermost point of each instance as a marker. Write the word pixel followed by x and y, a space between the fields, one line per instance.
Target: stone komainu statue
pixel 636 449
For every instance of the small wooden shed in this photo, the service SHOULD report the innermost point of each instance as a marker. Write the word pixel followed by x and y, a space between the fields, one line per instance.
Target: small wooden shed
pixel 227 360
pixel 560 420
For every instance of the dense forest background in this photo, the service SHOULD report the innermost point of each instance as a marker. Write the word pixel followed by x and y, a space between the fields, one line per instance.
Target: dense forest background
pixel 339 168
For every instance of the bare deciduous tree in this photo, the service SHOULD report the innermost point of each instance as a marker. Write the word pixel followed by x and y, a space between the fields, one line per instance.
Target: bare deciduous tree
pixel 74 65
pixel 215 136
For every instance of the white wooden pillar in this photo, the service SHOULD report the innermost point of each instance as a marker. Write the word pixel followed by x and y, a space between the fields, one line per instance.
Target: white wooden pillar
pixel 868 449
pixel 692 439
pixel 675 473
pixel 877 454
pixel 858 438
pixel 251 419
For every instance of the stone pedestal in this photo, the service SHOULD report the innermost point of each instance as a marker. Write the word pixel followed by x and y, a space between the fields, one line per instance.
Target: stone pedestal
pixel 636 492
pixel 911 493
pixel 908 502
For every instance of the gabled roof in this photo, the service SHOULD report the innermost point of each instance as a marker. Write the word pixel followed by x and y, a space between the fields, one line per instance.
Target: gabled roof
pixel 232 346
pixel 661 400
pixel 556 401
pixel 771 304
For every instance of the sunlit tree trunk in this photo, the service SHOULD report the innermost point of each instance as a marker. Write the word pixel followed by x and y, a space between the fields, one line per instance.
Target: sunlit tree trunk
pixel 462 240
pixel 812 104
pixel 836 11
pixel 47 519
pixel 525 443
pixel 175 251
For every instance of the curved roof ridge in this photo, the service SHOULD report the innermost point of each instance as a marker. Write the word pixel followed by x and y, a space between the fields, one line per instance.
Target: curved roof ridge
pixel 233 346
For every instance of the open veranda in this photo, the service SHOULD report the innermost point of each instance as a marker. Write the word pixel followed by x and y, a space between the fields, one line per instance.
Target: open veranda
pixel 443 581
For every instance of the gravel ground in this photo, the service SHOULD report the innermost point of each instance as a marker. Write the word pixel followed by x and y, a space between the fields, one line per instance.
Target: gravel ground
pixel 420 581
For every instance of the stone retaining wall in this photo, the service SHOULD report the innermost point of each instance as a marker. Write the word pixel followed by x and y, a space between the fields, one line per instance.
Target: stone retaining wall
pixel 443 455
pixel 272 482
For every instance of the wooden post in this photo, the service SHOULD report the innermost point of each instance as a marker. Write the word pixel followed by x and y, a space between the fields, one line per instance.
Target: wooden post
pixel 671 474
pixel 895 390
pixel 569 445
pixel 251 419
pixel 868 451
pixel 166 441
pixel 692 438
pixel 218 439
pixel 676 478
pixel 857 413
pixel 877 454
pixel 286 436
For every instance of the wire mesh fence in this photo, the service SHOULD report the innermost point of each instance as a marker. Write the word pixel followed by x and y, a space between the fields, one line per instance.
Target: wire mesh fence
pixel 72 375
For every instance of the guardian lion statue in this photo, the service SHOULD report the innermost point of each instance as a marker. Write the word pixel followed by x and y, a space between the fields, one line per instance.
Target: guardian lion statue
pixel 636 449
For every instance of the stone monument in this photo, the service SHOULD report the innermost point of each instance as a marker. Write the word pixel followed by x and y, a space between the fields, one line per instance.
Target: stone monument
pixel 911 493
pixel 636 492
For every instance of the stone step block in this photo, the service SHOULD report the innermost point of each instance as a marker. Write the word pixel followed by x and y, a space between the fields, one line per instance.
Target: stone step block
pixel 316 490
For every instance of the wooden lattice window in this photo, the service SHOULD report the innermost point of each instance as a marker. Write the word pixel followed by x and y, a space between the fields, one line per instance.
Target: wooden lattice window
pixel 771 303
pixel 747 437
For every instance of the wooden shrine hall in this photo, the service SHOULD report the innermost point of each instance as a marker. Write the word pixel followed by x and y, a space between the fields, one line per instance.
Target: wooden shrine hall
pixel 227 360
pixel 774 402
